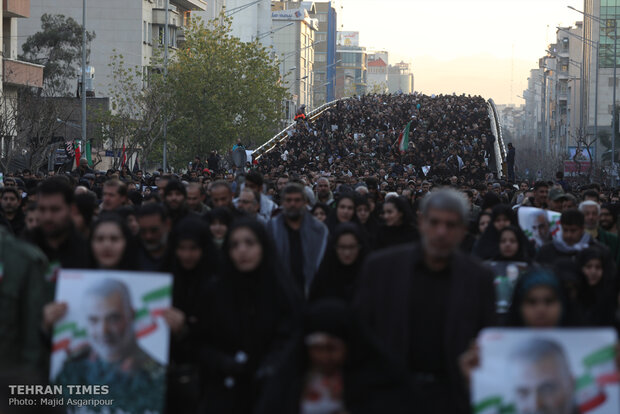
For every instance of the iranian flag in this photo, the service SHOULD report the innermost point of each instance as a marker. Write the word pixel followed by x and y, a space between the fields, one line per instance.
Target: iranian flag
pixel 78 151
pixel 63 334
pixel 144 323
pixel 601 365
pixel 589 394
pixel 156 301
pixel 403 138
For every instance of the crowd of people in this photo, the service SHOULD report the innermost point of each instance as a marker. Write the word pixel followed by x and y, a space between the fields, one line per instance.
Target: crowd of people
pixel 337 275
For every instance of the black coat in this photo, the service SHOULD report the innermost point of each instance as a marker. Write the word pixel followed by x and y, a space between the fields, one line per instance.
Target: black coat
pixel 388 236
pixel 383 302
pixel 249 313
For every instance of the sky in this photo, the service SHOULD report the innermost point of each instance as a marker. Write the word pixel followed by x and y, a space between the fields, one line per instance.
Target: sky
pixel 483 47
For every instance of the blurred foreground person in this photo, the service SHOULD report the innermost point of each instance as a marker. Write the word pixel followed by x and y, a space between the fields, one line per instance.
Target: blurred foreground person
pixel 334 367
pixel 425 308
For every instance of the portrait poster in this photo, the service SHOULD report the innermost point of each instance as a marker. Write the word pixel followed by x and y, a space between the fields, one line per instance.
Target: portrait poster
pixel 558 371
pixel 113 334
pixel 539 225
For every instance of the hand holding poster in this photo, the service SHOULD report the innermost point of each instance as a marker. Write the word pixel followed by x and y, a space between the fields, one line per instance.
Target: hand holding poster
pixel 554 371
pixel 112 335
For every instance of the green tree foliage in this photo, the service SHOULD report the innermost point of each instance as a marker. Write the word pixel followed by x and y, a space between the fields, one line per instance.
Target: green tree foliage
pixel 136 114
pixel 58 47
pixel 222 89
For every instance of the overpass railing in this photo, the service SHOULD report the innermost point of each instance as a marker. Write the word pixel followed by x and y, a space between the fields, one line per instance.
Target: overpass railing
pixel 269 145
pixel 499 147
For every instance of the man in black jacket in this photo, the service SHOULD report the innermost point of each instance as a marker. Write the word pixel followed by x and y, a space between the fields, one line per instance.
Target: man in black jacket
pixel 427 302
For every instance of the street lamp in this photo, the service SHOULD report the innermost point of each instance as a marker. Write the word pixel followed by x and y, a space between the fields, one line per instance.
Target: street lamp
pixel 83 73
pixel 265 34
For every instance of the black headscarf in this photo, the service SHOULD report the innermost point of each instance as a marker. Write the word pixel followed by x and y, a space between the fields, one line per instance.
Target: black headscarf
pixel 487 247
pixel 129 260
pixel 597 304
pixel 332 219
pixel 407 232
pixel 522 254
pixel 334 279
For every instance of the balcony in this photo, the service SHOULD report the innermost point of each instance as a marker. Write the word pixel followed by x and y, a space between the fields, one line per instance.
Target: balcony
pixel 20 73
pixel 159 17
pixel 16 8
pixel 199 5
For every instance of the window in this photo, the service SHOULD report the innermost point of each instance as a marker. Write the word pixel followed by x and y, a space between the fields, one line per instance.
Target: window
pixel 320 58
pixel 145 32
pixel 321 37
pixel 322 17
pixel 611 82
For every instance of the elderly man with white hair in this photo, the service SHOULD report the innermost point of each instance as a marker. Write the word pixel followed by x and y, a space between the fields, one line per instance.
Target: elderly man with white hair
pixel 592 214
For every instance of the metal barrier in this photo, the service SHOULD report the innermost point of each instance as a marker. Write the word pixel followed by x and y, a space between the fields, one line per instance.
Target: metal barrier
pixel 269 145
pixel 500 148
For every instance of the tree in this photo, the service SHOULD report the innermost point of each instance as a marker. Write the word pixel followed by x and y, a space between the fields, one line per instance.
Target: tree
pixel 29 126
pixel 222 89
pixel 135 118
pixel 58 47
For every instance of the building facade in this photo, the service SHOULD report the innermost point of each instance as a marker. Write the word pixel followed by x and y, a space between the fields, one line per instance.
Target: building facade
pixel 132 28
pixel 378 72
pixel 351 66
pixel 400 78
pixel 325 53
pixel 294 39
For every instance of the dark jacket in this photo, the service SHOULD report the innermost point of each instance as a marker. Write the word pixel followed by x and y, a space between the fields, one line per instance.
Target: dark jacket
pixel 383 300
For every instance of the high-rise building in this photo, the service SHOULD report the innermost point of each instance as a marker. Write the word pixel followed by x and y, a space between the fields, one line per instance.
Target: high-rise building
pixel 351 66
pixel 325 53
pixel 294 39
pixel 599 33
pixel 131 28
pixel 533 110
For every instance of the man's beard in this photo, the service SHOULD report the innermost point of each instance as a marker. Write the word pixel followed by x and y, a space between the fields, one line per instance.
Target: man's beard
pixel 293 214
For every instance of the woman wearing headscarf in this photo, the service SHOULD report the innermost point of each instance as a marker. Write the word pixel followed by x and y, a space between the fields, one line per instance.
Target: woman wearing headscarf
pixel 112 246
pixel 337 275
pixel 247 315
pixel 193 260
pixel 399 226
pixel 487 247
pixel 320 211
pixel 367 221
pixel 596 292
pixel 343 213
pixel 333 366
pixel 512 246
pixel 219 220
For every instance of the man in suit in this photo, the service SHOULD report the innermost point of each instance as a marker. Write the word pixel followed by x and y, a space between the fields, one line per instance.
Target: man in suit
pixel 427 302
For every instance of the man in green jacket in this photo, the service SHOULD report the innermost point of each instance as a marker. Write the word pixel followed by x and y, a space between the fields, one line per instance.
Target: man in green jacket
pixel 22 297
pixel 592 213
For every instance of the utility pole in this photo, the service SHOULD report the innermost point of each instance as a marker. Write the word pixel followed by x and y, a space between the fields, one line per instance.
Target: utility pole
pixel 613 119
pixel 83 74
pixel 166 35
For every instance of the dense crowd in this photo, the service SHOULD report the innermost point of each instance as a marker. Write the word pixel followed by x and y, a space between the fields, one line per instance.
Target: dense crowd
pixel 336 275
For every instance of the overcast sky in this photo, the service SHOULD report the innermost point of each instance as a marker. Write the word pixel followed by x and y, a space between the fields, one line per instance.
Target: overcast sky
pixel 470 46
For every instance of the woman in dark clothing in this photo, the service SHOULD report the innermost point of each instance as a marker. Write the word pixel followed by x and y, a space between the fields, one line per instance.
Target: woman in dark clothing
pixel 368 222
pixel 596 293
pixel 219 220
pixel 112 246
pixel 512 245
pixel 337 275
pixel 320 211
pixel 246 317
pixel 399 227
pixel 487 247
pixel 193 260
pixel 343 213
pixel 335 367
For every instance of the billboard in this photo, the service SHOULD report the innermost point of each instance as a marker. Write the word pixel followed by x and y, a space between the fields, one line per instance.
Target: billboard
pixel 348 38
pixel 291 14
